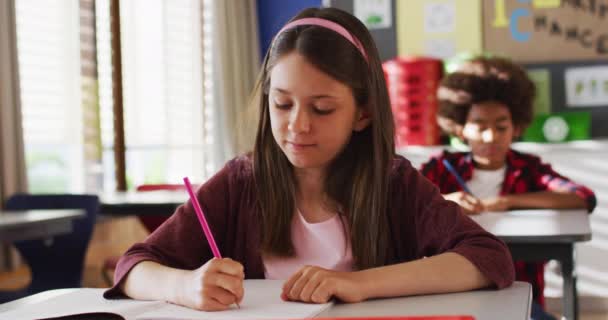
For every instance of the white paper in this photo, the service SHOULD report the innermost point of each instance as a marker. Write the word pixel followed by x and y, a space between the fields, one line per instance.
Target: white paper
pixel 440 17
pixel 81 301
pixel 587 86
pixel 375 14
pixel 262 300
pixel 440 48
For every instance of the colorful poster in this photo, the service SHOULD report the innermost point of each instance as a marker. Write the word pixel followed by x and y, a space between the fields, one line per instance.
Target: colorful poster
pixel 375 14
pixel 587 86
pixel 438 28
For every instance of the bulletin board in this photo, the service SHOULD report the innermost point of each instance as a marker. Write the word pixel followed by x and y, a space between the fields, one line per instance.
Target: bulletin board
pixel 546 30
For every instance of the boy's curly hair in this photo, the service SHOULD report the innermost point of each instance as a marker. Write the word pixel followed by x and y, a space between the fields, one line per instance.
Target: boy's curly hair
pixel 482 80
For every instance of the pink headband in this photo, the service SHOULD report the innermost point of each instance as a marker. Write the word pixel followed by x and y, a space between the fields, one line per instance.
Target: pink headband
pixel 329 25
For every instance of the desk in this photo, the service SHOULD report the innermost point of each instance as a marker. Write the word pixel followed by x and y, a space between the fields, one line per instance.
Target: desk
pixel 512 303
pixel 35 224
pixel 539 235
pixel 141 203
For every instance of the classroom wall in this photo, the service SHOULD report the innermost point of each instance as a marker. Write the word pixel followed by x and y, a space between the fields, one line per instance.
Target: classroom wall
pixel 273 14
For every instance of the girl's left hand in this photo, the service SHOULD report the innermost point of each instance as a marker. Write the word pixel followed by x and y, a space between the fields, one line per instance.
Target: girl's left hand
pixel 318 285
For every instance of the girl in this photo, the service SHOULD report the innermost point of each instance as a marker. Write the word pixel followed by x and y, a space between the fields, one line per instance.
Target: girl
pixel 323 202
pixel 487 104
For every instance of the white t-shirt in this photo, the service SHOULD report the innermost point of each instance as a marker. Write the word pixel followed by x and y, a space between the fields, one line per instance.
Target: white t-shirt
pixel 486 183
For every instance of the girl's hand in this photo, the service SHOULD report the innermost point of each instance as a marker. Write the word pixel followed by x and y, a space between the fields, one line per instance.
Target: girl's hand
pixel 213 287
pixel 470 205
pixel 318 285
pixel 496 204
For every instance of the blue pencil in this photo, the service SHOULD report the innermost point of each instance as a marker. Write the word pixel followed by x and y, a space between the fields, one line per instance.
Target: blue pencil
pixel 461 182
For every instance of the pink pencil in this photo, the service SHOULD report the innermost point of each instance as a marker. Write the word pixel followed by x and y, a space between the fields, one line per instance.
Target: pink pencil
pixel 203 221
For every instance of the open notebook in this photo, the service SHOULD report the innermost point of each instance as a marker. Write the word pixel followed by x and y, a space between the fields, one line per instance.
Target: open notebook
pixel 262 301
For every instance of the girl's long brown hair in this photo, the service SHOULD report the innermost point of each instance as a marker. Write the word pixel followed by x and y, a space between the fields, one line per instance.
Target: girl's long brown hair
pixel 357 180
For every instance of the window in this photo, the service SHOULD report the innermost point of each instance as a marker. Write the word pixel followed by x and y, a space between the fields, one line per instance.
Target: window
pixel 166 51
pixel 167 113
pixel 49 70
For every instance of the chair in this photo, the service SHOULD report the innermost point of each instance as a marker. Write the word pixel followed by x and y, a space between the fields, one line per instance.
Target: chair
pixel 151 223
pixel 58 262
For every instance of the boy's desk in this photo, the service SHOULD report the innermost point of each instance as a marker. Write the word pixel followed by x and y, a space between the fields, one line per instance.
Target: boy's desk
pixel 540 235
pixel 141 203
pixel 511 303
pixel 36 224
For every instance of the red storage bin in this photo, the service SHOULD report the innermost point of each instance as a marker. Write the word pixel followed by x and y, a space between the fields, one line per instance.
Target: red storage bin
pixel 412 84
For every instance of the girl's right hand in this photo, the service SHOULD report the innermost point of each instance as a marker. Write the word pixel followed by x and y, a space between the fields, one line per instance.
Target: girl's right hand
pixel 470 205
pixel 213 287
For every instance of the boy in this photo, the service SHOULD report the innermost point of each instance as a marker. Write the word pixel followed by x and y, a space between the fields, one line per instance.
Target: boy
pixel 488 104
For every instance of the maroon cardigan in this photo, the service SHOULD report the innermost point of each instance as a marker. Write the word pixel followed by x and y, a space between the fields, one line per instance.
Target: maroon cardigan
pixel 421 224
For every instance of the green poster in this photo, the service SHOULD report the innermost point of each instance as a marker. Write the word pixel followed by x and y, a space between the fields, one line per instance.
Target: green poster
pixel 559 127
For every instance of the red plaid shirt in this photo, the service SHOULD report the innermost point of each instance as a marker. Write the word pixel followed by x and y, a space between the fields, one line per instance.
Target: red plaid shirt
pixel 525 173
